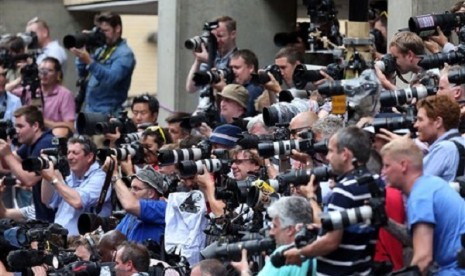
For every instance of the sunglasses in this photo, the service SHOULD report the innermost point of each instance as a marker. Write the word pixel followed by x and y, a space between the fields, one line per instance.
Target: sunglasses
pixel 156 129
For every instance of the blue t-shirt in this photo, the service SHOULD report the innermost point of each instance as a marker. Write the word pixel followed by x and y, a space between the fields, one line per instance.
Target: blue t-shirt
pixel 432 201
pixel 28 151
pixel 289 270
pixel 150 224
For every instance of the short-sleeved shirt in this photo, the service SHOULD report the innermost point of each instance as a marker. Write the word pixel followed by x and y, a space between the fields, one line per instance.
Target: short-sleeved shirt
pixel 54 50
pixel 306 268
pixel 25 151
pixel 8 104
pixel 89 188
pixel 150 224
pixel 432 201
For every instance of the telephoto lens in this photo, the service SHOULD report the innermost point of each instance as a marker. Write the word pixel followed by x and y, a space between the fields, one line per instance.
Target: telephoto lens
pixel 405 96
pixel 341 219
pixel 191 168
pixel 166 157
pixel 267 150
pixel 282 113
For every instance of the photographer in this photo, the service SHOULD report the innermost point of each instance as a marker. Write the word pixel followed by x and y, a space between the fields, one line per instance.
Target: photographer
pixel 145 207
pixel 34 137
pixel 109 68
pixel 144 109
pixel 132 259
pixel 455 92
pixel 225 35
pixel 437 125
pixel 179 126
pixel 345 251
pixel 8 102
pixel 435 212
pixel 407 49
pixel 286 214
pixel 80 192
pixel 244 163
pixel 233 102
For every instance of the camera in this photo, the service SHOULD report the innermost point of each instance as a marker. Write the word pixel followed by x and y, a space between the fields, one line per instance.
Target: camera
pixel 88 222
pixel 7 130
pixel 282 112
pixel 425 25
pixel 262 76
pixel 96 123
pixel 132 137
pixel 261 195
pixel 437 60
pixel 222 250
pixel 135 150
pixel 202 151
pixel 56 155
pixel 394 123
pixel 93 39
pixel 302 76
pixel 191 168
pixel 457 76
pixel 267 150
pixel 405 96
pixel 387 64
pixel 302 177
pixel 213 76
pixel 196 42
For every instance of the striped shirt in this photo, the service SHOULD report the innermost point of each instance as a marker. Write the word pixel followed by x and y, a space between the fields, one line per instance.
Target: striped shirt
pixel 355 252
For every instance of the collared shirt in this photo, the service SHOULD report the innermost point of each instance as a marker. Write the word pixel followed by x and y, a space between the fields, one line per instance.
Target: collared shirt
pixel 443 157
pixel 110 78
pixel 308 267
pixel 9 103
pixel 89 188
pixel 149 225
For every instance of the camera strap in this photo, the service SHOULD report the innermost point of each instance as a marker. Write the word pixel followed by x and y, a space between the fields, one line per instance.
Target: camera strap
pixel 461 167
pixel 106 185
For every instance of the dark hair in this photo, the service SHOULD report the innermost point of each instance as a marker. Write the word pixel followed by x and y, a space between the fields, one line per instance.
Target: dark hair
pixel 111 18
pixel 356 140
pixel 159 134
pixel 291 53
pixel 15 44
pixel 32 114
pixel 152 101
pixel 177 117
pixel 248 56
pixel 56 65
pixel 88 145
pixel 137 254
pixel 190 141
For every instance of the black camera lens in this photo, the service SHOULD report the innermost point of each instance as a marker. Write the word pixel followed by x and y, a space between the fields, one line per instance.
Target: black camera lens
pixel 86 122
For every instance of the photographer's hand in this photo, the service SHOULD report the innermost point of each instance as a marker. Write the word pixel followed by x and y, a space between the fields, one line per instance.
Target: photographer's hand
pixel 207 186
pixel 272 85
pixel 82 54
pixel 440 39
pixel 384 80
pixel 303 158
pixel 5 148
pixel 242 266
pixel 205 130
pixel 326 78
pixel 39 271
pixel 219 85
pixel 127 167
pixel 203 55
pixel 112 137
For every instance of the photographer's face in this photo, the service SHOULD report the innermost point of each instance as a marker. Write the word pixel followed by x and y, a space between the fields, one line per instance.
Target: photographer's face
pixel 226 40
pixel 281 235
pixel 287 70
pixel 426 127
pixel 78 161
pixel 111 34
pixel 242 72
pixel 403 61
pixel 150 149
pixel 454 92
pixel 176 131
pixel 242 165
pixel 48 74
pixel 82 253
pixel 335 158
pixel 230 109
pixel 141 114
pixel 26 133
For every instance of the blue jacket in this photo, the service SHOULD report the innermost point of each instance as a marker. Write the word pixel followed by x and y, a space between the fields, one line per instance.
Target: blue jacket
pixel 110 78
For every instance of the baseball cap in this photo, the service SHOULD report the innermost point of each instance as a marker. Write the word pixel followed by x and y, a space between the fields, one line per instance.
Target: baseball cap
pixel 226 135
pixel 152 178
pixel 237 93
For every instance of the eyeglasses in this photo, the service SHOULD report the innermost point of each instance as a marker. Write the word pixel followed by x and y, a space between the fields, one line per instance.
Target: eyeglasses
pixel 45 71
pixel 156 129
pixel 297 130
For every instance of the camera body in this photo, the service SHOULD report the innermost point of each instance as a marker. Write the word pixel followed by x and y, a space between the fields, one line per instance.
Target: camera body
pixel 195 42
pixel 96 123
pixel 93 39
pixel 56 155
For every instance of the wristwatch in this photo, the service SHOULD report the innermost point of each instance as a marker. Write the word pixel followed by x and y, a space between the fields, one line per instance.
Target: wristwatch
pixel 115 178
pixel 54 182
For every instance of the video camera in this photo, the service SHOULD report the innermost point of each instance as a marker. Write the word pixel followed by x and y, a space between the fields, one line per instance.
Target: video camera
pixel 57 155
pixel 196 42
pixel 91 40
pixel 96 123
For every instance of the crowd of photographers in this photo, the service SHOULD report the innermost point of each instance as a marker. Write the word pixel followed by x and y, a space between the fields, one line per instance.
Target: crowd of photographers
pixel 266 163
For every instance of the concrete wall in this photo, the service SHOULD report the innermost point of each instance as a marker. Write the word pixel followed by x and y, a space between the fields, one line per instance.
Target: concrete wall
pixel 14 14
pixel 258 21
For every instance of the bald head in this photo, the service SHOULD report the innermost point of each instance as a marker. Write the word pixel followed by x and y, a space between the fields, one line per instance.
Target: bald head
pixel 303 120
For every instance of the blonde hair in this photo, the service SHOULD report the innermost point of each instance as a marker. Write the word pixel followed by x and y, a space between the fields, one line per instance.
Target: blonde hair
pixel 404 147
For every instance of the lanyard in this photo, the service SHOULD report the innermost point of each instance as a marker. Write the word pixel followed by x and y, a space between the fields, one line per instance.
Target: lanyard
pixel 104 55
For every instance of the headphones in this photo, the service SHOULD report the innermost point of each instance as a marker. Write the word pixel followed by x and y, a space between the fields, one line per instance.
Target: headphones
pixel 94 255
